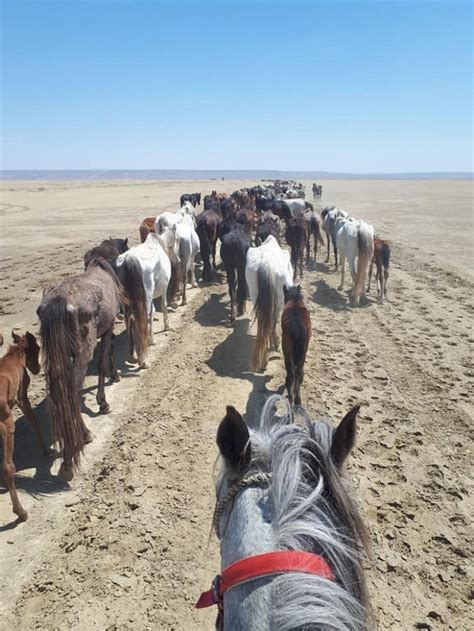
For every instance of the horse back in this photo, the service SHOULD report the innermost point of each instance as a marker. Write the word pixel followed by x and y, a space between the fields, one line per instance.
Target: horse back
pixel 296 330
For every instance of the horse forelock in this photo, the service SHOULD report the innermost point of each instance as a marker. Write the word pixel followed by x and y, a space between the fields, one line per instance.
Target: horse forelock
pixel 311 510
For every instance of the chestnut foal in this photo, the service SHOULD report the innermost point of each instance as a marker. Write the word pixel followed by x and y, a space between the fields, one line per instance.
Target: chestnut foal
pixel 14 382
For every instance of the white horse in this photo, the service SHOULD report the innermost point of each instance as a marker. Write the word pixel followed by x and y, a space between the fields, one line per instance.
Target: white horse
pixel 155 256
pixel 166 220
pixel 329 216
pixel 267 271
pixel 355 240
pixel 188 249
pixel 296 205
pixel 283 503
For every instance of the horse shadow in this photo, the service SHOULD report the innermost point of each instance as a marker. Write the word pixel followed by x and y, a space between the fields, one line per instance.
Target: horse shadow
pixel 231 358
pixel 213 312
pixel 328 297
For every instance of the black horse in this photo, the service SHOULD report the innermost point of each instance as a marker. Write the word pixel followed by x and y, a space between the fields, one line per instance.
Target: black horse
pixel 194 198
pixel 295 235
pixel 235 244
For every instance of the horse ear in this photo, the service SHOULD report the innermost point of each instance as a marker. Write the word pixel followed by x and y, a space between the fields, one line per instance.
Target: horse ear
pixel 16 338
pixel 126 241
pixel 31 338
pixel 233 439
pixel 343 438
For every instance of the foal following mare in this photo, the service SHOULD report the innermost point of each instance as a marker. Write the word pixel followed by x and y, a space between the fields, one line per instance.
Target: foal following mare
pixel 14 382
pixel 73 314
pixel 296 334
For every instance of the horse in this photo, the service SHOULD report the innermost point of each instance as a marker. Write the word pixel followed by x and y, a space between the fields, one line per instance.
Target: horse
pixel 381 258
pixel 154 257
pixel 109 249
pixel 296 334
pixel 188 249
pixel 207 230
pixel 267 271
pixel 166 220
pixel 73 314
pixel 193 198
pixel 246 217
pixel 147 226
pixel 269 226
pixel 296 237
pixel 234 247
pixel 20 357
pixel 291 538
pixel 329 217
pixel 313 229
pixel 317 191
pixel 355 240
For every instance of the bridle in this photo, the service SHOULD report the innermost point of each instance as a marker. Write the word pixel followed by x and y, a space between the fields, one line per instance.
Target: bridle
pixel 251 568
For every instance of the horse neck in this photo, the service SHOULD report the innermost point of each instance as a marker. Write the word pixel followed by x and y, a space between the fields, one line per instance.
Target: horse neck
pixel 17 354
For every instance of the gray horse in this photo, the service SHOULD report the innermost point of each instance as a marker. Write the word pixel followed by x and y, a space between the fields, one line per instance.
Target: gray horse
pixel 281 488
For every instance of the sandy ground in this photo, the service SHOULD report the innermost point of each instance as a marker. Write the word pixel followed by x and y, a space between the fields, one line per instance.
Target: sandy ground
pixel 128 545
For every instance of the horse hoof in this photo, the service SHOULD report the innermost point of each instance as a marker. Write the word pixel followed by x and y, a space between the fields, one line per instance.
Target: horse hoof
pixel 115 378
pixel 104 408
pixel 87 437
pixel 340 288
pixel 47 451
pixel 65 473
pixel 144 365
pixel 131 359
pixel 22 515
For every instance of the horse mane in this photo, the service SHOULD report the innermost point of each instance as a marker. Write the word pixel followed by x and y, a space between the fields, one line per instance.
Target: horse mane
pixel 312 511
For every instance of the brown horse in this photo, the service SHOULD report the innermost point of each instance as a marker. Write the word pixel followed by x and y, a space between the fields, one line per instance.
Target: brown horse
pixel 207 230
pixel 147 226
pixel 296 237
pixel 14 382
pixel 381 258
pixel 313 229
pixel 73 314
pixel 296 331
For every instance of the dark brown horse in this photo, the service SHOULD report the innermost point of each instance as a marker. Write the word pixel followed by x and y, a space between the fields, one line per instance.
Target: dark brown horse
pixel 207 230
pixel 296 334
pixel 73 314
pixel 381 258
pixel 147 226
pixel 131 277
pixel 21 356
pixel 313 229
pixel 296 237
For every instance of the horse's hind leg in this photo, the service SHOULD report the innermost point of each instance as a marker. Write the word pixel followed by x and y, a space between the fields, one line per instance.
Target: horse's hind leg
pixel 301 260
pixel 104 351
pixel 299 376
pixel 231 280
pixel 164 308
pixel 371 267
pixel 114 374
pixel 290 378
pixel 185 282
pixel 329 248
pixel 7 430
pixel 131 340
pixel 343 269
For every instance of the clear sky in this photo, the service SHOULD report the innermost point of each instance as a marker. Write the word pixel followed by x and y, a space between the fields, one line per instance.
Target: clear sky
pixel 335 86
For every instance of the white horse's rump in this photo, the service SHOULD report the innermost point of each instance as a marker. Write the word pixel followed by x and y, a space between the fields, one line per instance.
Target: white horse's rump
pixel 166 220
pixel 267 271
pixel 156 268
pixel 188 248
pixel 330 215
pixel 355 240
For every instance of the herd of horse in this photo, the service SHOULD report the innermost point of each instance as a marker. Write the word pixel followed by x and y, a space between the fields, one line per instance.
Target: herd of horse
pixel 280 486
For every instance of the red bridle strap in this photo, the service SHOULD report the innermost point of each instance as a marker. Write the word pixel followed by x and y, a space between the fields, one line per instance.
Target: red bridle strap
pixel 261 565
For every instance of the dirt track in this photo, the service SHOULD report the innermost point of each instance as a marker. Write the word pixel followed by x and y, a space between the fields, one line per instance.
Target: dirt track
pixel 128 546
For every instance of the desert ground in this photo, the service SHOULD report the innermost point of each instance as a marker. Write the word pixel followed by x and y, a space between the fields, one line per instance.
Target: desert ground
pixel 128 545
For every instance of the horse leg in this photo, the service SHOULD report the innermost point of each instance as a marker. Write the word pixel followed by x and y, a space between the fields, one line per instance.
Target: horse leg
pixel 329 248
pixel 25 407
pixel 164 308
pixel 315 246
pixel 354 291
pixel 299 375
pixel 185 282
pixel 290 378
pixel 241 289
pixel 385 279
pixel 343 269
pixel 214 255
pixel 192 273
pixel 308 249
pixel 7 430
pixel 104 351
pixel 301 256
pixel 335 252
pixel 294 262
pixel 371 267
pixel 114 374
pixel 231 281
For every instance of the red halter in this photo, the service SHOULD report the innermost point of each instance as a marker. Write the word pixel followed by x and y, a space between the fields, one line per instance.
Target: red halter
pixel 255 567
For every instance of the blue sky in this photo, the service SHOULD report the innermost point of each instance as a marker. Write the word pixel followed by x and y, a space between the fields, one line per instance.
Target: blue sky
pixel 335 86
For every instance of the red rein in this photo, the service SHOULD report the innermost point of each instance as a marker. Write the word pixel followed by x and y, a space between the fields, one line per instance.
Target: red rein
pixel 262 565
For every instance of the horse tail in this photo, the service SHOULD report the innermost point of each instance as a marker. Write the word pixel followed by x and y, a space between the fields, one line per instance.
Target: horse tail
pixel 264 313
pixel 59 331
pixel 366 250
pixel 316 229
pixel 131 275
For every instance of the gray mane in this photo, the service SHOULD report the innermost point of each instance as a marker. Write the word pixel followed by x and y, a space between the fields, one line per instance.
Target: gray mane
pixel 310 510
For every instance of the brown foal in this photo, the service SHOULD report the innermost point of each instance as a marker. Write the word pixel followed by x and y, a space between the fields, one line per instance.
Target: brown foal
pixel 14 382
